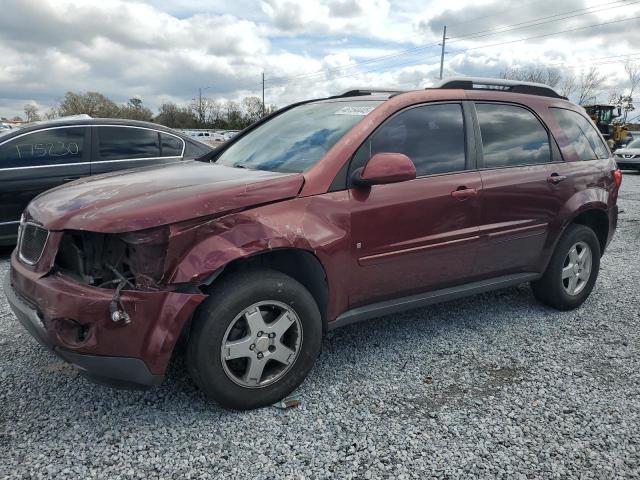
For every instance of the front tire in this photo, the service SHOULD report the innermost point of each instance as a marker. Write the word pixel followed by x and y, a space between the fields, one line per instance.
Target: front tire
pixel 254 340
pixel 572 270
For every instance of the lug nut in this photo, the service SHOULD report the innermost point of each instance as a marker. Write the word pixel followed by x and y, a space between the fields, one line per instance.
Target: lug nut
pixel 260 355
pixel 252 346
pixel 272 335
pixel 260 334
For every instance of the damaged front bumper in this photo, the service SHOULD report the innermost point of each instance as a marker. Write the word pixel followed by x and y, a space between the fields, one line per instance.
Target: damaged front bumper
pixel 73 320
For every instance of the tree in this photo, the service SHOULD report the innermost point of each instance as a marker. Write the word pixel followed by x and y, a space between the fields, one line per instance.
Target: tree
pixel 214 116
pixel 167 114
pixel 590 81
pixel 93 104
pixel 233 116
pixel 632 70
pixel 135 110
pixel 547 75
pixel 253 110
pixel 31 113
pixel 567 85
pixel 173 116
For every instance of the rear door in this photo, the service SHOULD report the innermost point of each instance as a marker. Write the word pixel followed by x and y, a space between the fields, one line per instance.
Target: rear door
pixel 519 161
pixel 37 161
pixel 118 147
pixel 422 234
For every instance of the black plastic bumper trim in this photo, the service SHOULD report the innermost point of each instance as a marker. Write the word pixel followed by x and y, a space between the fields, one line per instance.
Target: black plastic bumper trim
pixel 123 372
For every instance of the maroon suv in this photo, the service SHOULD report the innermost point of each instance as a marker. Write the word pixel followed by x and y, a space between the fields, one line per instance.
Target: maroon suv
pixel 326 213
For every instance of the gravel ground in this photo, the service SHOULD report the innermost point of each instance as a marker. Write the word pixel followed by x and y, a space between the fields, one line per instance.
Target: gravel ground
pixel 494 386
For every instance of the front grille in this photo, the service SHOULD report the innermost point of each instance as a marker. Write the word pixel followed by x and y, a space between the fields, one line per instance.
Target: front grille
pixel 33 239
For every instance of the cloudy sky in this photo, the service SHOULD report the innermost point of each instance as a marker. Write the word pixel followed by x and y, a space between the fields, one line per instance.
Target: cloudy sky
pixel 160 50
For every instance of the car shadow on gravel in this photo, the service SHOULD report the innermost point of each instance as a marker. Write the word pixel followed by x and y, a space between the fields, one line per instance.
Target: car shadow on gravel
pixel 392 338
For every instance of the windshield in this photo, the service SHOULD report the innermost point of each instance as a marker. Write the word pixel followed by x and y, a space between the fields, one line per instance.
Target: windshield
pixel 297 139
pixel 635 143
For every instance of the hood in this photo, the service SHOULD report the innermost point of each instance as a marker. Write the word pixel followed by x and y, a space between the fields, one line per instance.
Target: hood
pixel 143 198
pixel 627 151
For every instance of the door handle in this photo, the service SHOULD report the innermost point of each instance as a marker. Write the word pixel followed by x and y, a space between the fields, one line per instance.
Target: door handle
pixel 462 193
pixel 555 178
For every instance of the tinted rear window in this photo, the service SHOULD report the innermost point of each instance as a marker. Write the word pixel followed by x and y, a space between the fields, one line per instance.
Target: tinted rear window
pixel 119 143
pixel 511 136
pixel 46 147
pixel 581 133
pixel 171 146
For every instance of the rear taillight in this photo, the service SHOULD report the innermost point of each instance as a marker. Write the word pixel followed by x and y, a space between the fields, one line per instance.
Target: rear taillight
pixel 617 177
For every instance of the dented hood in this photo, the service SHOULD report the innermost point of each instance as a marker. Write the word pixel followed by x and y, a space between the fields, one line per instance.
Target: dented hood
pixel 149 197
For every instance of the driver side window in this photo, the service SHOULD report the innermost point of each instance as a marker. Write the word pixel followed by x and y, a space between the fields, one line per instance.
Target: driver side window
pixel 432 136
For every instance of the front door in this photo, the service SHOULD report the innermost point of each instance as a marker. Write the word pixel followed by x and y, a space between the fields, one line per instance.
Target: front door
pixel 418 235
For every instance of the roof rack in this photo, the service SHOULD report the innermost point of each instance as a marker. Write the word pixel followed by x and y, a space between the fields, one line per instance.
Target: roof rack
pixel 513 86
pixel 358 92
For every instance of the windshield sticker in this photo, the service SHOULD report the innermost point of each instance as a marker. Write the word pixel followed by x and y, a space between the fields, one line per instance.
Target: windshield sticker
pixel 355 110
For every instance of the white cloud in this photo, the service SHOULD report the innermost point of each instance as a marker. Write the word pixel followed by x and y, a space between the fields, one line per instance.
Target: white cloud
pixel 167 49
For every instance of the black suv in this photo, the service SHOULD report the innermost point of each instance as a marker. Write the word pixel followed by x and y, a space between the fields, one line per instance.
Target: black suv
pixel 46 154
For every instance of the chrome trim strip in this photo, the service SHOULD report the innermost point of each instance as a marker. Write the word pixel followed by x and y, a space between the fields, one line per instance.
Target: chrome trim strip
pixel 184 146
pixel 88 163
pixel 43 130
pixel 10 223
pixel 44 245
pixel 135 159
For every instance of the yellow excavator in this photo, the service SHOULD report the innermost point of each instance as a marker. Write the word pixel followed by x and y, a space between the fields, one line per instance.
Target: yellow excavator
pixel 616 134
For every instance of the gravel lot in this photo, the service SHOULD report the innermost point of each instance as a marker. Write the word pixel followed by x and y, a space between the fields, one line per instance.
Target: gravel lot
pixel 494 386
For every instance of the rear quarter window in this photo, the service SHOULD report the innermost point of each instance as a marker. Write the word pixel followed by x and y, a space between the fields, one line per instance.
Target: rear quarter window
pixel 44 148
pixel 581 133
pixel 171 146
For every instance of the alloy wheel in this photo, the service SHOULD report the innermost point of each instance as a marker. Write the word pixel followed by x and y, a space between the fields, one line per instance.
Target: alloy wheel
pixel 576 270
pixel 261 344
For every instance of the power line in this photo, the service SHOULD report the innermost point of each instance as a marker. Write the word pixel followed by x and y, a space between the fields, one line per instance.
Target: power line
pixel 606 6
pixel 496 44
pixel 469 36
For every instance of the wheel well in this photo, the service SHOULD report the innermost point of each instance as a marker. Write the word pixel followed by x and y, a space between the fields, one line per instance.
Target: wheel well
pixel 300 265
pixel 597 221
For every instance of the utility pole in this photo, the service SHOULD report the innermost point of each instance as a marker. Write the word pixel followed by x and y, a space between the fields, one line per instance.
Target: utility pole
pixel 263 109
pixel 444 39
pixel 200 115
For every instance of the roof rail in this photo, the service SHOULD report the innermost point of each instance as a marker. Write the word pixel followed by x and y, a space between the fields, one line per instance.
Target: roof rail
pixel 513 86
pixel 358 92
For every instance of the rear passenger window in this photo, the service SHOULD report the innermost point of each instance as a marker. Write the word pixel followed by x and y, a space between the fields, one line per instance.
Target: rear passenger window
pixel 582 135
pixel 432 136
pixel 46 147
pixel 171 146
pixel 120 143
pixel 511 136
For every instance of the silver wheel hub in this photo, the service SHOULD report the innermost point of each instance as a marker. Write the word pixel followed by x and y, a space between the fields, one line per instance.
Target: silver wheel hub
pixel 261 344
pixel 576 269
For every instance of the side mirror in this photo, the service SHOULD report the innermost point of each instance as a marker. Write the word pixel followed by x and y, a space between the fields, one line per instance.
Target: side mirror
pixel 385 168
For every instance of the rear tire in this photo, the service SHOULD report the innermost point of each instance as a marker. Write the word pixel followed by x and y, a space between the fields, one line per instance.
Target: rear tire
pixel 572 270
pixel 239 354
